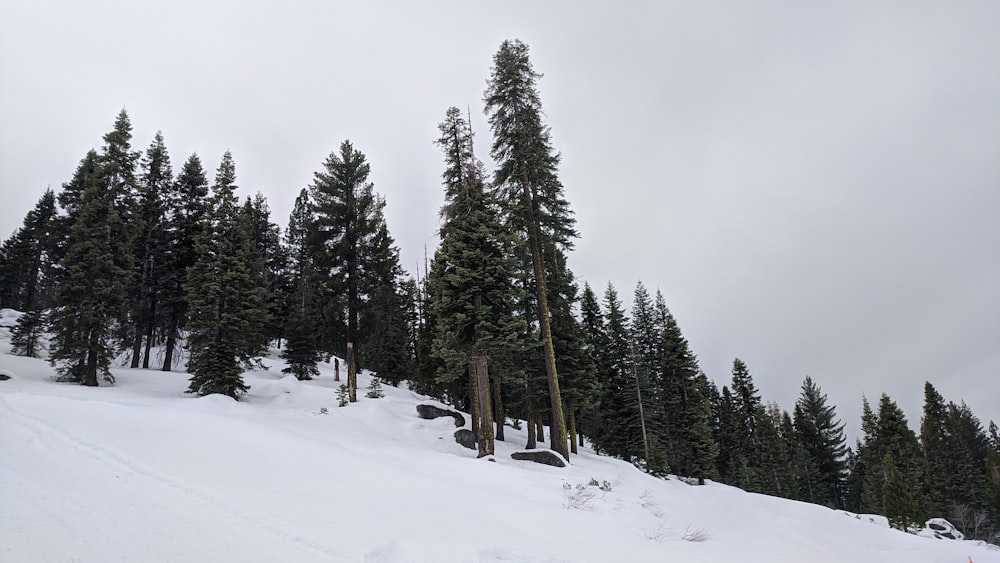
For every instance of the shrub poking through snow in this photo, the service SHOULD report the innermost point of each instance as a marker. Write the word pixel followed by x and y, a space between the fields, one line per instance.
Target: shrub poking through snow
pixel 343 395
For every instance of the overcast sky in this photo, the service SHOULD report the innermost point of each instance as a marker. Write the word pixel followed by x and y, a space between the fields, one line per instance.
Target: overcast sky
pixel 815 187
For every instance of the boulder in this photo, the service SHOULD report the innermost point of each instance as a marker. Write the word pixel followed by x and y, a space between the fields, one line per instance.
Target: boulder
pixel 429 411
pixel 4 376
pixel 942 529
pixel 547 457
pixel 465 437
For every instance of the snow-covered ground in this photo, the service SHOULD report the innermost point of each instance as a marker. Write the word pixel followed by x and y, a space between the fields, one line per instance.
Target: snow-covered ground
pixel 141 471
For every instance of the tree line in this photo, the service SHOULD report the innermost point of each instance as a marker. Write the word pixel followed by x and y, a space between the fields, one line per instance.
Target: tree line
pixel 130 259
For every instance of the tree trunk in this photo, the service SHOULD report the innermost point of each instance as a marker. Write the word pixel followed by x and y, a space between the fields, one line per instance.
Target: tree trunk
pixel 499 415
pixel 336 369
pixel 558 424
pixel 352 374
pixel 572 430
pixel 529 404
pixel 540 432
pixel 149 338
pixel 136 343
pixel 168 355
pixel 484 434
pixel 90 375
pixel 472 397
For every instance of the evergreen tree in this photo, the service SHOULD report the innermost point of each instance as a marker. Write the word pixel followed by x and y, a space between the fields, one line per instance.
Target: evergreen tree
pixel 150 246
pixel 225 297
pixel 471 296
pixel 96 261
pixel 531 193
pixel 646 371
pixel 91 294
pixel 939 467
pixel 897 500
pixel 269 256
pixel 592 329
pixel 684 400
pixel 748 408
pixel 822 436
pixel 886 432
pixel 300 319
pixel 349 243
pixel 620 430
pixel 188 208
pixel 27 259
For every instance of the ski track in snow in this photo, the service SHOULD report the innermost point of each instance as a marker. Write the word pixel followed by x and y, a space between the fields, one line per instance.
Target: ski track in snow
pixel 42 430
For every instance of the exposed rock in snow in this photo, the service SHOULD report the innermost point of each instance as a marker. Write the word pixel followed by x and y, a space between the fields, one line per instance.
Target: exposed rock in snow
pixel 431 410
pixel 548 457
pixel 465 437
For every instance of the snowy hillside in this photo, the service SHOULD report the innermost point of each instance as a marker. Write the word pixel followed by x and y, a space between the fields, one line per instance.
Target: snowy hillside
pixel 140 471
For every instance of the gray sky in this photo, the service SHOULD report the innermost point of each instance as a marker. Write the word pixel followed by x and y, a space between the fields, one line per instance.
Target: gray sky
pixel 814 187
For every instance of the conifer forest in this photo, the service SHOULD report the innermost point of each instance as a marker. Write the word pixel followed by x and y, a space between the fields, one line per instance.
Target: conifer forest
pixel 138 252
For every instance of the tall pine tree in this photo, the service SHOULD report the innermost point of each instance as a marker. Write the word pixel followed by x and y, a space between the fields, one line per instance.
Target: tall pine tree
pixel 532 194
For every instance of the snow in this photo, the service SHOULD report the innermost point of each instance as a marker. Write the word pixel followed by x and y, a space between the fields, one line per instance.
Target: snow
pixel 141 471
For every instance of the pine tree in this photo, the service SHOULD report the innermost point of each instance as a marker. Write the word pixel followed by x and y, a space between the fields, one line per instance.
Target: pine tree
pixel 225 297
pixel 96 261
pixel 187 213
pixel 530 190
pixel 150 246
pixel 619 432
pixel 592 329
pixel 747 409
pixel 471 295
pixel 27 259
pixel 939 467
pixel 301 320
pixel 684 400
pixel 822 436
pixel 897 500
pixel 348 241
pixel 268 255
pixel 646 371
pixel 91 294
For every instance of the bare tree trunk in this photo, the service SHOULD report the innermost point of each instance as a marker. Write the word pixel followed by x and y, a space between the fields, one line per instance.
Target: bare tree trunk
pixel 168 355
pixel 149 339
pixel 499 414
pixel 540 432
pixel 484 433
pixel 352 374
pixel 473 399
pixel 136 344
pixel 572 430
pixel 558 423
pixel 529 404
pixel 336 369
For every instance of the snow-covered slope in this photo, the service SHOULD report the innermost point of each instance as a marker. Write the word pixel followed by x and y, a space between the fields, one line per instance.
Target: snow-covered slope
pixel 140 471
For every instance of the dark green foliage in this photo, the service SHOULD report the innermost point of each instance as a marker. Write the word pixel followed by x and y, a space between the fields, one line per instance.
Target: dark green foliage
pixel 150 247
pixel 353 256
pixel 301 316
pixel 886 433
pixel 471 297
pixel 271 258
pixel 186 216
pixel 619 430
pixel 343 396
pixel 225 295
pixel 97 262
pixel 897 500
pixel 822 437
pixel 26 335
pixel 531 194
pixel 686 408
pixel 27 259
pixel 646 384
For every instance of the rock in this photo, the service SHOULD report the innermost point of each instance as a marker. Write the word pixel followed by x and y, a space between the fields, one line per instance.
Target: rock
pixel 547 457
pixel 943 529
pixel 4 377
pixel 465 437
pixel 429 411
